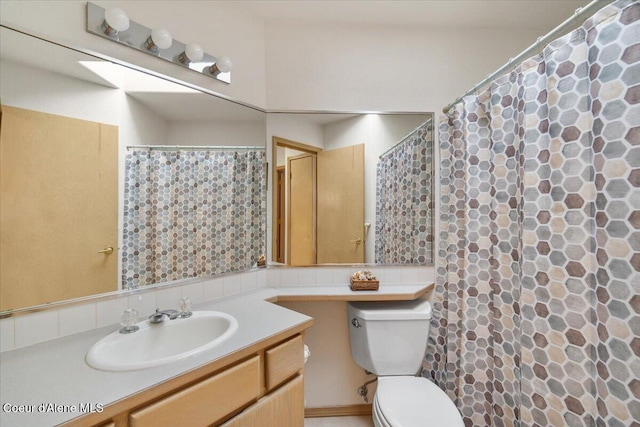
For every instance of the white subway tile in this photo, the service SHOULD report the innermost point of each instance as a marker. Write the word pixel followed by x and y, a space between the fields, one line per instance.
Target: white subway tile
pixel 324 275
pixel 379 272
pixel 261 278
pixel 274 277
pixel 36 327
pixel 341 275
pixel 194 291
pixel 77 318
pixel 408 274
pixel 400 274
pixel 307 276
pixel 427 274
pixel 213 288
pixel 108 312
pixel 289 276
pixel 169 298
pixel 145 303
pixel 248 281
pixel 7 334
pixel 232 285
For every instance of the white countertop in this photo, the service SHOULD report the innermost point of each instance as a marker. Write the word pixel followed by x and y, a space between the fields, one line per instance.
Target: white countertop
pixel 55 372
pixel 386 292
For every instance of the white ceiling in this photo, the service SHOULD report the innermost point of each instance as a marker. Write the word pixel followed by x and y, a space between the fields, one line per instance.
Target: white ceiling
pixel 541 15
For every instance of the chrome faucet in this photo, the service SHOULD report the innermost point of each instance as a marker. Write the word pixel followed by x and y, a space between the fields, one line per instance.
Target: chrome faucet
pixel 159 316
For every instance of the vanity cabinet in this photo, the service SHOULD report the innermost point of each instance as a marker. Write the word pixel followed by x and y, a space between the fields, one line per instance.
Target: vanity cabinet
pixel 205 402
pixel 282 408
pixel 259 387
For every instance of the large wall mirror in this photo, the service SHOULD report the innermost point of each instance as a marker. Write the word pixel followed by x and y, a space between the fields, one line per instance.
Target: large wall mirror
pixel 351 188
pixel 112 178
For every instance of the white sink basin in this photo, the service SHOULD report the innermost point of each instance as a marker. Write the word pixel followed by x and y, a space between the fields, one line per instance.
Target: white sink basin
pixel 157 344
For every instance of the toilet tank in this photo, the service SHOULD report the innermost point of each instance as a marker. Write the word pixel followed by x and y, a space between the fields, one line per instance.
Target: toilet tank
pixel 390 337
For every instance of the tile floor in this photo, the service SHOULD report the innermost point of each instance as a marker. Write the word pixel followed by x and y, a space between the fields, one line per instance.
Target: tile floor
pixel 361 421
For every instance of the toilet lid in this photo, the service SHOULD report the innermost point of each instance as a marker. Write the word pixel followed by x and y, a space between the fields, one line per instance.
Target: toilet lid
pixel 414 401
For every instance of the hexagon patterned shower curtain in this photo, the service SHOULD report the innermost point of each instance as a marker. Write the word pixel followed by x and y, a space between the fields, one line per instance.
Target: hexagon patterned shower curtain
pixel 404 189
pixel 537 299
pixel 192 213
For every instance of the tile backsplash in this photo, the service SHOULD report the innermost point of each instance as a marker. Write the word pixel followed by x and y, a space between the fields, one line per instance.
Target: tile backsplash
pixel 24 330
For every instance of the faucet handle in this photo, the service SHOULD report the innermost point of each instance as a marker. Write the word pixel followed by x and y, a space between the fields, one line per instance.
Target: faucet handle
pixel 184 307
pixel 128 321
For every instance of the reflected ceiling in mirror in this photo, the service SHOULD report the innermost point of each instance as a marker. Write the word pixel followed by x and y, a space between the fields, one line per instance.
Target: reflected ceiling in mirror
pixel 66 239
pixel 352 188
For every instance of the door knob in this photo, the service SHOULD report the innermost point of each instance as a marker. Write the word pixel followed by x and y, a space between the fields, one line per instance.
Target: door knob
pixel 357 241
pixel 108 250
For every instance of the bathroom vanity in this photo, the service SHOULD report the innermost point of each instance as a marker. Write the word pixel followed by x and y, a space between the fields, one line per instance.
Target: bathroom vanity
pixel 253 378
pixel 262 382
pixel 246 378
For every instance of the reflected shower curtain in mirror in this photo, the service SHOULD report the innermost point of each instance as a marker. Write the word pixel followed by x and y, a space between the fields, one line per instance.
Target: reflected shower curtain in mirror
pixel 192 213
pixel 403 201
pixel 537 298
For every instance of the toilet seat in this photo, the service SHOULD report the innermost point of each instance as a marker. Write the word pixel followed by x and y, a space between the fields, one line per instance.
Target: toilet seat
pixel 413 402
pixel 378 418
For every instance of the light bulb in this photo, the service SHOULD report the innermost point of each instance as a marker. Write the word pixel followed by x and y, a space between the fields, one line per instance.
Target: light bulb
pixel 160 38
pixel 115 20
pixel 192 53
pixel 222 65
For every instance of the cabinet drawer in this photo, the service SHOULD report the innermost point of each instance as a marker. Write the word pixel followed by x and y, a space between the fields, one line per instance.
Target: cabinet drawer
pixel 205 402
pixel 282 408
pixel 283 361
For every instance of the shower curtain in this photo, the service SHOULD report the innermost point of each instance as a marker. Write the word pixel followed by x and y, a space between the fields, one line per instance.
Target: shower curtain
pixel 404 199
pixel 192 213
pixel 537 298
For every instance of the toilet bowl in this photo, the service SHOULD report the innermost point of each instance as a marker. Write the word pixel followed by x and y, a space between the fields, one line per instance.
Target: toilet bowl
pixel 389 339
pixel 413 401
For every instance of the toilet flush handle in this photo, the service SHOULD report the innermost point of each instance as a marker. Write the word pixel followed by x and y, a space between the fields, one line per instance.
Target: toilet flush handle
pixel 355 323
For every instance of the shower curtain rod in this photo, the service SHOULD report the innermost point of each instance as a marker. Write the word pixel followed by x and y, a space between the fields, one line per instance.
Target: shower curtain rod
pixel 394 146
pixel 194 147
pixel 580 14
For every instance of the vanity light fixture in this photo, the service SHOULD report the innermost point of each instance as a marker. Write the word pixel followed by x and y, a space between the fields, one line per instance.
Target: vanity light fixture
pixel 192 53
pixel 160 38
pixel 114 24
pixel 222 65
pixel 115 20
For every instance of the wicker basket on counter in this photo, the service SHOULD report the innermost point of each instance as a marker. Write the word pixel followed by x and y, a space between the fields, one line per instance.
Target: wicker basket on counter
pixel 364 285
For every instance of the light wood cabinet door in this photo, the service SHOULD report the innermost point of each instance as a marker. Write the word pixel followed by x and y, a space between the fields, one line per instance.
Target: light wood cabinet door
pixel 282 408
pixel 206 402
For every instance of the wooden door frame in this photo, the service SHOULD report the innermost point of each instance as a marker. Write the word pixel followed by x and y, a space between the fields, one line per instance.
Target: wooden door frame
pixel 276 142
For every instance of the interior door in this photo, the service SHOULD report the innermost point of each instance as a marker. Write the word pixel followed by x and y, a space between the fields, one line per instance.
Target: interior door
pixel 301 239
pixel 59 189
pixel 340 210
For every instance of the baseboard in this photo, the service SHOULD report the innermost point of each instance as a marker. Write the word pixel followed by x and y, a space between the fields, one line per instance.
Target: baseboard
pixel 338 411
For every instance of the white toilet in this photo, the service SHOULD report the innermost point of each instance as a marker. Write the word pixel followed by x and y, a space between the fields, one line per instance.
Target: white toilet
pixel 389 339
